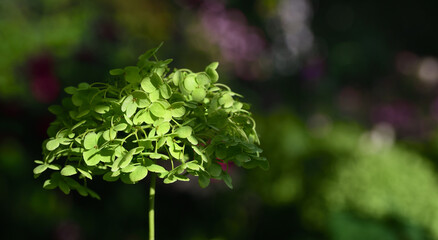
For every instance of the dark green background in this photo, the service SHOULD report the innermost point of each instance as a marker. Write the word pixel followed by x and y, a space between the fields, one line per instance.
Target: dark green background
pixel 344 94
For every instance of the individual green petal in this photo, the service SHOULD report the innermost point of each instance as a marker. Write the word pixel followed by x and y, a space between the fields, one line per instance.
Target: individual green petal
pixel 199 94
pixel 52 144
pixel 91 157
pixel 90 140
pixel 50 184
pixel 138 174
pixel 39 169
pixel 202 79
pixel 184 132
pixel 177 109
pixel 128 101
pixel 170 179
pixel 64 187
pixel 155 95
pixel 109 134
pixel 70 90
pixel 190 83
pixel 147 85
pixel 116 71
pixel 68 170
pixel 83 113
pixel 131 109
pixel 227 179
pixel 111 176
pixel 139 95
pixel 213 65
pixel 127 158
pixel 203 180
pixel 176 78
pixel 192 140
pixel 120 127
pixel 165 91
pixel 129 168
pixel 156 80
pixel 163 128
pixel 212 74
pixel 193 166
pixel 132 74
pixel 101 109
pixel 226 100
pixel 156 168
pixel 157 109
pixel 85 173
pixel 54 167
pixel 215 170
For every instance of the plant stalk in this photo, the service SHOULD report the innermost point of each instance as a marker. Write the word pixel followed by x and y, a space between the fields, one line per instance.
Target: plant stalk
pixel 152 207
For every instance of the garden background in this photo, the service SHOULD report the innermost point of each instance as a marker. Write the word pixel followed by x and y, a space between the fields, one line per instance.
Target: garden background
pixel 344 94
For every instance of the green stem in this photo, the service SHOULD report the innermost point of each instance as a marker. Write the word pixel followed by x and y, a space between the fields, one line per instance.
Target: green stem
pixel 152 207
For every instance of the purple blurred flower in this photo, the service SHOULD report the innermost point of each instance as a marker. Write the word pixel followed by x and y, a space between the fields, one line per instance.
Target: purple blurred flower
pixel 401 115
pixel 44 84
pixel 240 44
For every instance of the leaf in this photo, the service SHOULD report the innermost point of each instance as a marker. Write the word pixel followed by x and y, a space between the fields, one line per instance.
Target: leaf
pixel 199 94
pixel 39 169
pixel 138 174
pixel 156 168
pixel 90 140
pixel 52 144
pixel 117 71
pixel 184 132
pixel 68 170
pixel 157 109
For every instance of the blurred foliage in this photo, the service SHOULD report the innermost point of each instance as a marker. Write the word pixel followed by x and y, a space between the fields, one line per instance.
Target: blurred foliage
pixel 345 101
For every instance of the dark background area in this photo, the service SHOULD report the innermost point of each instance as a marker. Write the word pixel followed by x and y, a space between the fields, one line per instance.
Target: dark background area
pixel 344 94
